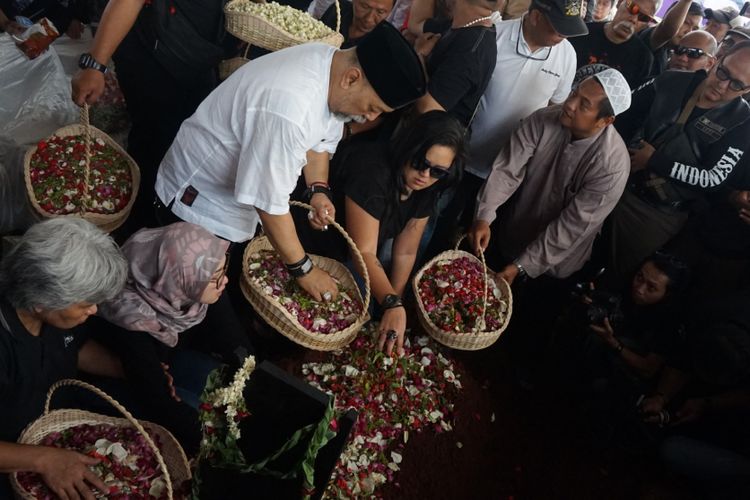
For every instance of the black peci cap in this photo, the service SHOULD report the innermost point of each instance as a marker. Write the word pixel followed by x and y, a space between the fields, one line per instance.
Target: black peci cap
pixel 391 66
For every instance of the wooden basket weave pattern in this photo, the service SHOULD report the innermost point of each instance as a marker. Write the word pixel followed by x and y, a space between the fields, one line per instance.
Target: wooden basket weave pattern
pixel 171 458
pixel 257 31
pixel 106 222
pixel 282 320
pixel 466 341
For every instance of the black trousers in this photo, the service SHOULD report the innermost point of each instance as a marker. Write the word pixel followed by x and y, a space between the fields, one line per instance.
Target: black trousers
pixel 157 104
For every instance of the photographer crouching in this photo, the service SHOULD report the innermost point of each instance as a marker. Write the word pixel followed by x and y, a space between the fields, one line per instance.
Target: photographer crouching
pixel 630 337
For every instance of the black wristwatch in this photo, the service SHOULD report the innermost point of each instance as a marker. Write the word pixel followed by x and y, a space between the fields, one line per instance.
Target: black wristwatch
pixel 87 61
pixel 390 301
pixel 301 268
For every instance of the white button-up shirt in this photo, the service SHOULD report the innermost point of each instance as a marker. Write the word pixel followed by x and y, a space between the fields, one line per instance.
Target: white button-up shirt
pixel 246 144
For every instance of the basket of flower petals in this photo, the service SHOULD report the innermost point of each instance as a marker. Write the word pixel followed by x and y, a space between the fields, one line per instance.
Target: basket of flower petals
pixel 137 459
pixel 274 27
pixel 81 171
pixel 459 303
pixel 283 304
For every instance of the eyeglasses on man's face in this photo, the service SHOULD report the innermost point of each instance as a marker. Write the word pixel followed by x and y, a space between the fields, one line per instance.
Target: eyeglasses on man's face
pixel 725 76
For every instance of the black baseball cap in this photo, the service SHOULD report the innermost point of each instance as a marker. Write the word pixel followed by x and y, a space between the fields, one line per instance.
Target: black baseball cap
pixel 391 66
pixel 724 15
pixel 564 15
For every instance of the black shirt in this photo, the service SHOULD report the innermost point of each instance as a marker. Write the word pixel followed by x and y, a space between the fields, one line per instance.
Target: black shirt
pixel 661 55
pixel 459 69
pixel 367 177
pixel 347 16
pixel 29 365
pixel 632 58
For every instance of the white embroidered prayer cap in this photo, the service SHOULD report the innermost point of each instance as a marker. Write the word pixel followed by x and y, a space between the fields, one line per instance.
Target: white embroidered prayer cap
pixel 616 87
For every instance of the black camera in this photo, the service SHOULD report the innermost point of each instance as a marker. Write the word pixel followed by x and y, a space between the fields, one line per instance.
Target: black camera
pixel 598 304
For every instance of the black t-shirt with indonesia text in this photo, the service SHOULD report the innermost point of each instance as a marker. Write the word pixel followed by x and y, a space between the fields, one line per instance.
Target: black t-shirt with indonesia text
pixel 632 58
pixel 459 69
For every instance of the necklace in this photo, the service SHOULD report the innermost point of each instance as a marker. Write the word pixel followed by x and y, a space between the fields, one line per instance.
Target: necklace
pixel 495 16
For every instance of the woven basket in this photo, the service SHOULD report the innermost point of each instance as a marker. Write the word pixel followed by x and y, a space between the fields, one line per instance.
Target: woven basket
pixel 257 31
pixel 229 66
pixel 465 341
pixel 282 320
pixel 171 459
pixel 106 222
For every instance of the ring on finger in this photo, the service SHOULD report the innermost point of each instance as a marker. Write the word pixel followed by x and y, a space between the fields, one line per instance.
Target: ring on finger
pixel 391 335
pixel 327 296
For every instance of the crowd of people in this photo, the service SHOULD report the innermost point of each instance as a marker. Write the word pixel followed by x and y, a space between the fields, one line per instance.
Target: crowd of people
pixel 593 152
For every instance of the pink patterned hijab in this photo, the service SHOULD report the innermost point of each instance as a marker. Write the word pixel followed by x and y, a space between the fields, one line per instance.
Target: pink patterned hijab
pixel 169 268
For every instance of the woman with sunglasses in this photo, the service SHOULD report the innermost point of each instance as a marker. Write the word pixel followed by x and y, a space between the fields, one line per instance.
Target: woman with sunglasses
pixel 385 194
pixel 171 324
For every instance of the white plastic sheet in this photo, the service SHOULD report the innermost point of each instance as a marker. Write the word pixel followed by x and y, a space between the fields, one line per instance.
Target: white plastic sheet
pixel 35 98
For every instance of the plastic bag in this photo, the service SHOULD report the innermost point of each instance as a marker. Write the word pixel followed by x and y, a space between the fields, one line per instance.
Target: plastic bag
pixel 35 99
pixel 16 213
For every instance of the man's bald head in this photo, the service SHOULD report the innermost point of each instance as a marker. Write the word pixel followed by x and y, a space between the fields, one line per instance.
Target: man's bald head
pixel 694 52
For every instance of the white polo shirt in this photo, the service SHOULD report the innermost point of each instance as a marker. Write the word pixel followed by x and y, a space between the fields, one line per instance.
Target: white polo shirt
pixel 247 142
pixel 519 86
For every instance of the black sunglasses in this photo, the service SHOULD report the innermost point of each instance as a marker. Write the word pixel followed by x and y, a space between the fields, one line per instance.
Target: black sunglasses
pixel 723 75
pixel 691 52
pixel 435 172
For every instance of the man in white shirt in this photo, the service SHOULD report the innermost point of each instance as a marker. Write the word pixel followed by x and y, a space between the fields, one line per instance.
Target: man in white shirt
pixel 234 163
pixel 535 67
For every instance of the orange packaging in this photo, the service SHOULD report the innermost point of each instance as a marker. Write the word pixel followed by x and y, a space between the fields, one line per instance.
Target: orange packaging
pixel 35 40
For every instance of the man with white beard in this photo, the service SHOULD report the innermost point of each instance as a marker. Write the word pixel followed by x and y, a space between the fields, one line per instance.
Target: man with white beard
pixel 614 44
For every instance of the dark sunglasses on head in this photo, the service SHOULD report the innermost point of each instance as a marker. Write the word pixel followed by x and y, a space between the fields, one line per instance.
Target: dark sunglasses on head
pixel 435 172
pixel 691 52
pixel 635 9
pixel 723 75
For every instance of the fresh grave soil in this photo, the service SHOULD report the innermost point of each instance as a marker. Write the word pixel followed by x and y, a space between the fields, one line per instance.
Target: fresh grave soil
pixel 507 443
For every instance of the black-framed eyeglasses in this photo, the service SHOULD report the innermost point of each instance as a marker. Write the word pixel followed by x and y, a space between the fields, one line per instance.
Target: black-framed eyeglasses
pixel 635 9
pixel 223 270
pixel 518 48
pixel 723 75
pixel 691 52
pixel 435 172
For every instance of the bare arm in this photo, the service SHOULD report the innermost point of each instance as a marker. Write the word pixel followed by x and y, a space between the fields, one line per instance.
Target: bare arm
pixel 96 359
pixel 404 253
pixel 364 230
pixel 117 20
pixel 421 10
pixel 65 472
pixel 283 236
pixel 670 25
pixel 316 170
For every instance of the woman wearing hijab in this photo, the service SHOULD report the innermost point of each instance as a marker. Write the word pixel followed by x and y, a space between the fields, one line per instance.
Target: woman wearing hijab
pixel 163 321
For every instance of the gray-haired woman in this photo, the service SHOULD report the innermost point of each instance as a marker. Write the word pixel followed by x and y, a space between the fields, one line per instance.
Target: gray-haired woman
pixel 51 282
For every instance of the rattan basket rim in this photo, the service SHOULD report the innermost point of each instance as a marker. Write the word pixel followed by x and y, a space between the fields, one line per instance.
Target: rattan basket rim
pixel 110 221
